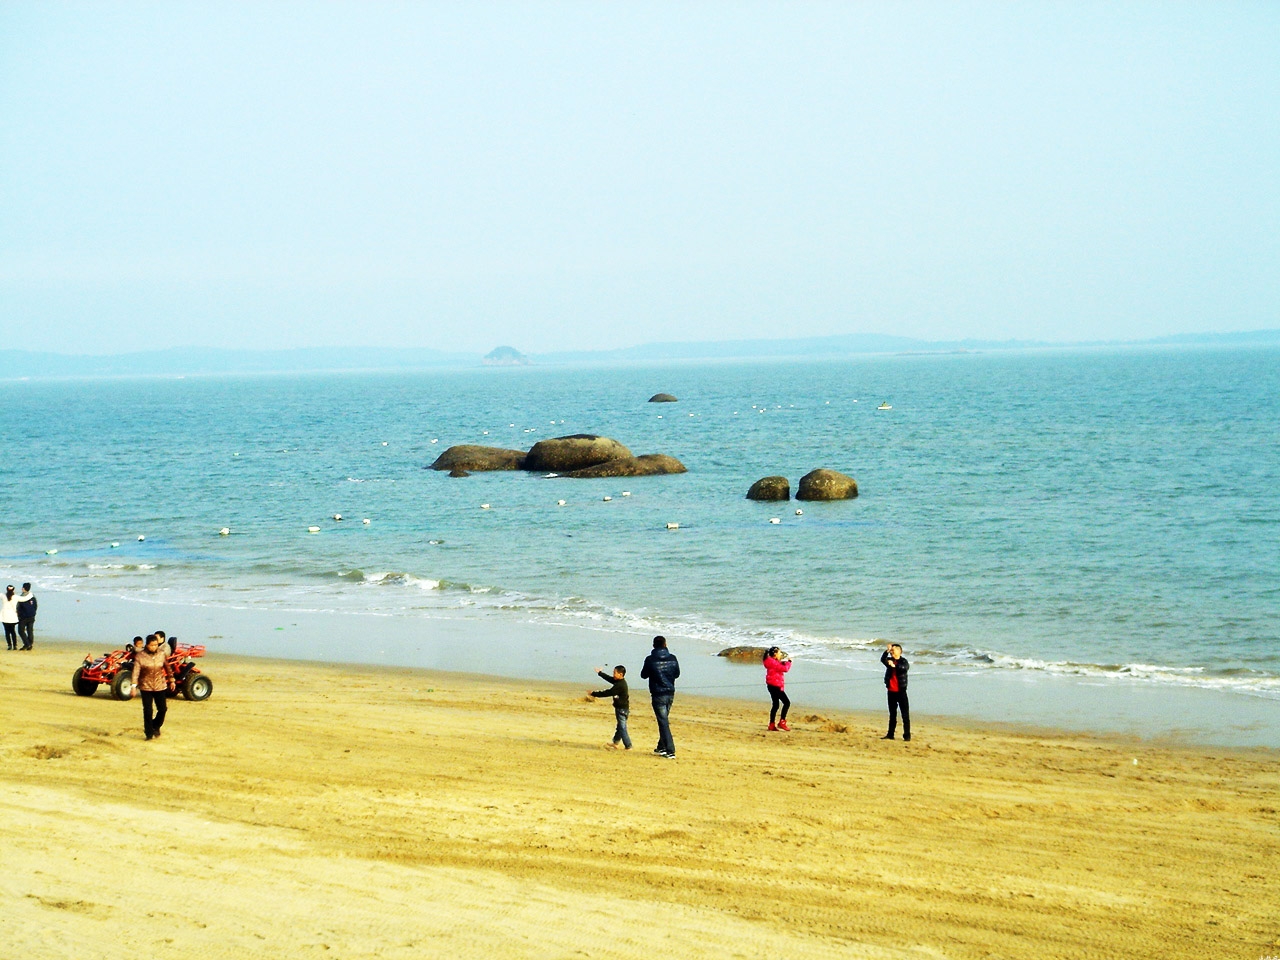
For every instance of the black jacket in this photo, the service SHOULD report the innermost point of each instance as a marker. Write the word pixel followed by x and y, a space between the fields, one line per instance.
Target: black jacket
pixel 901 670
pixel 27 608
pixel 617 690
pixel 661 669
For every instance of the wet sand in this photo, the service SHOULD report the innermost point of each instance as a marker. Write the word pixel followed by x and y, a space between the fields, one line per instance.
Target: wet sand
pixel 311 810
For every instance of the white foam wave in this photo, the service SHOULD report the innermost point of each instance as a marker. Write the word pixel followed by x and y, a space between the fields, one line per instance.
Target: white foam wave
pixel 395 579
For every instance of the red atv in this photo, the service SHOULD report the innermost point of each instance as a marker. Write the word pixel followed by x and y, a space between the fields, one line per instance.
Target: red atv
pixel 116 668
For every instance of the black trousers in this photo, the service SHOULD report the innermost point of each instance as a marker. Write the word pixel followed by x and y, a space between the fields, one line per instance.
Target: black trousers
pixel 779 697
pixel 27 631
pixel 899 701
pixel 153 702
pixel 11 636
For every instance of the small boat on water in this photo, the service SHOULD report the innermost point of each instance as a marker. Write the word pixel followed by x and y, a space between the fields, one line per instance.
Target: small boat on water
pixel 885 406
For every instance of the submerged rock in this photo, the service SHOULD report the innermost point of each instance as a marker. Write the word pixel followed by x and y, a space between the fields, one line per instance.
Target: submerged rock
pixel 663 398
pixel 576 452
pixel 648 465
pixel 827 485
pixel 770 488
pixel 455 472
pixel 468 456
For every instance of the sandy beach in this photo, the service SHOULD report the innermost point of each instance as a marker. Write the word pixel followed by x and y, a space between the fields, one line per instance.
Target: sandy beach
pixel 314 810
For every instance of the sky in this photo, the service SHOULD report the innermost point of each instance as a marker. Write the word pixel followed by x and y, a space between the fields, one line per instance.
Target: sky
pixel 564 176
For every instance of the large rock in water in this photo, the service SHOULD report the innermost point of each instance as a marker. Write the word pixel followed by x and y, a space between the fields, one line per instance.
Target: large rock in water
pixel 576 452
pixel 648 465
pixel 770 488
pixel 663 398
pixel 471 457
pixel 826 485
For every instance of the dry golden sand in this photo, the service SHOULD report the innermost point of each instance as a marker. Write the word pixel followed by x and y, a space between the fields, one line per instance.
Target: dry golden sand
pixel 314 810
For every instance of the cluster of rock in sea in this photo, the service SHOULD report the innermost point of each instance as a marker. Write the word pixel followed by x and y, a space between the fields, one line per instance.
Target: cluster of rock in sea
pixel 818 484
pixel 584 455
pixel 580 455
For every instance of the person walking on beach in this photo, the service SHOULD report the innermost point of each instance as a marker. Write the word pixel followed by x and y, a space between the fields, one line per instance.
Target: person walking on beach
pixel 895 681
pixel 661 669
pixel 9 617
pixel 27 617
pixel 776 665
pixel 153 681
pixel 621 703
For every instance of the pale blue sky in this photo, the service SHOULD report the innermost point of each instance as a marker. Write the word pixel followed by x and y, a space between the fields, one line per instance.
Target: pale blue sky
pixel 593 175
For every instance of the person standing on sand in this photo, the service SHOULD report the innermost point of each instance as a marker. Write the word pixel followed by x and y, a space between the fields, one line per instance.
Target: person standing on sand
pixel 27 617
pixel 621 703
pixel 152 679
pixel 776 665
pixel 895 681
pixel 9 617
pixel 661 669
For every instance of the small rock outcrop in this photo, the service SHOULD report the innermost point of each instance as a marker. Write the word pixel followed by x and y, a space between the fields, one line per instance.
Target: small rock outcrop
pixel 770 488
pixel 468 456
pixel 459 472
pixel 826 485
pixel 576 452
pixel 663 398
pixel 648 465
pixel 505 357
pixel 743 654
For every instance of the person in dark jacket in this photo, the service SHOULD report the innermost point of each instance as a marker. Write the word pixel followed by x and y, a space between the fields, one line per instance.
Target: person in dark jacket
pixel 621 703
pixel 661 669
pixel 895 682
pixel 27 617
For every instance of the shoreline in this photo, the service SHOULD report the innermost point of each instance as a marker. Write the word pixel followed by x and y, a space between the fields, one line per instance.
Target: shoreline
pixel 861 721
pixel 492 644
pixel 315 809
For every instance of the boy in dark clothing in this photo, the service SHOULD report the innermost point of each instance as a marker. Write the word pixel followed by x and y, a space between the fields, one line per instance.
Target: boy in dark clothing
pixel 895 682
pixel 621 703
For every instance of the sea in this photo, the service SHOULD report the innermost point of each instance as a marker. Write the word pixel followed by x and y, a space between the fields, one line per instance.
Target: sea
pixel 1103 518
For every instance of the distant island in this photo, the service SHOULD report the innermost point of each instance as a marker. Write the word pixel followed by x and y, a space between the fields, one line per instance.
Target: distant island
pixel 25 364
pixel 505 357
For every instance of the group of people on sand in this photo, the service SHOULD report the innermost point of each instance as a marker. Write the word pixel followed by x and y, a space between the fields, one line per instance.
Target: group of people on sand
pixel 661 669
pixel 18 614
pixel 153 679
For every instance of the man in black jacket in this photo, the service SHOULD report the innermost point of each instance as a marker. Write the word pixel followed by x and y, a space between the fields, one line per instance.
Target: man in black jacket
pixel 895 682
pixel 661 669
pixel 26 617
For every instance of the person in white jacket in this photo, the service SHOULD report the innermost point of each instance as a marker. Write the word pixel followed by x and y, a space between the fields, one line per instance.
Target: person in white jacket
pixel 9 617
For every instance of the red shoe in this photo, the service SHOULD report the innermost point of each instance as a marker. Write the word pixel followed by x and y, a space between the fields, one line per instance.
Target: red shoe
pixel 782 725
pixel 773 726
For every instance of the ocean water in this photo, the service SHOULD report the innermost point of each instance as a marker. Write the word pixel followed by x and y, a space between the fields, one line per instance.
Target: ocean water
pixel 1109 514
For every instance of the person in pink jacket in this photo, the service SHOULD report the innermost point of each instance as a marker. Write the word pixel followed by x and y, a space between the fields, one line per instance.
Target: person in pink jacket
pixel 776 665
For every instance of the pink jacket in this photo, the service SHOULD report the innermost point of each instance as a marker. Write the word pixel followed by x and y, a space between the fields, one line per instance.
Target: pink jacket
pixel 775 672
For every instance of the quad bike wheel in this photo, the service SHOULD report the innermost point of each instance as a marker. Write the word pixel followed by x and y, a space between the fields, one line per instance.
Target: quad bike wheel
pixel 197 687
pixel 122 684
pixel 82 687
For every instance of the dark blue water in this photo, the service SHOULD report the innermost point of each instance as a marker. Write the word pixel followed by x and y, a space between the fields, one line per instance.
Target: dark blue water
pixel 1102 513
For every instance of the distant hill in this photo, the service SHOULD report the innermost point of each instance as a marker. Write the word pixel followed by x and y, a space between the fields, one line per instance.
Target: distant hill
pixel 15 364
pixel 870 343
pixel 193 360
